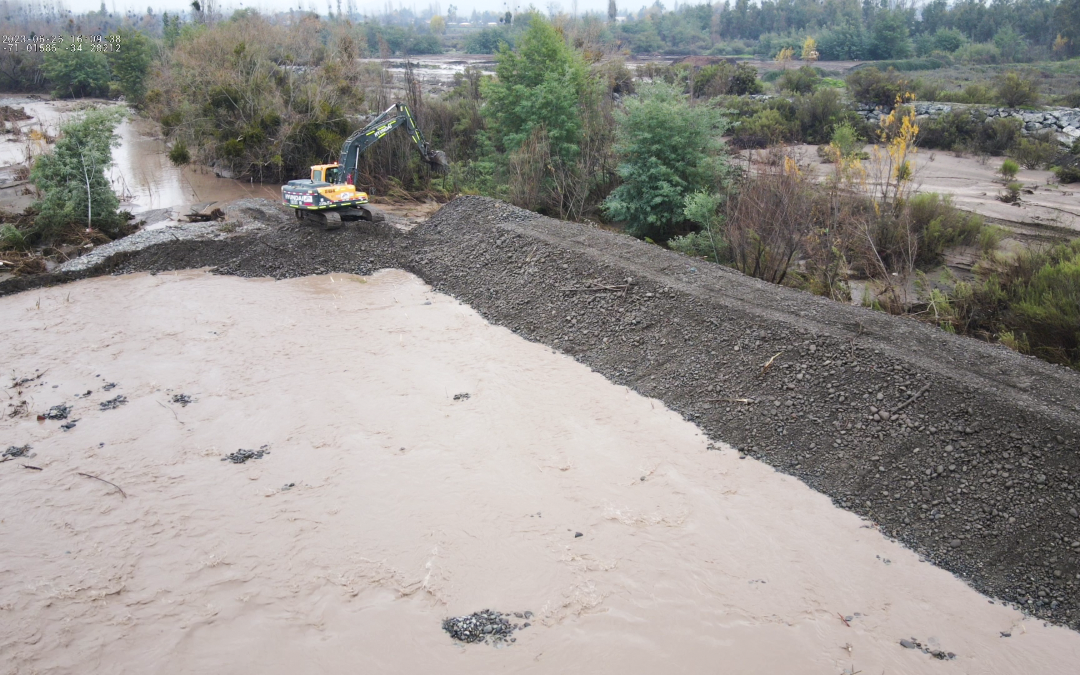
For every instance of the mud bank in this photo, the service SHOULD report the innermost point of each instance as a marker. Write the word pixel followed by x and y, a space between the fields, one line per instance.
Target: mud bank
pixel 417 463
pixel 965 452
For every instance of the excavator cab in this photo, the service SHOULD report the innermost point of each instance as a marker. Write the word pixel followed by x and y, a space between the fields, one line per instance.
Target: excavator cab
pixel 326 173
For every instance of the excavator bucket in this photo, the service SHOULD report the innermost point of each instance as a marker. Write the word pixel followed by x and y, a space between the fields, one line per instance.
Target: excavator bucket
pixel 438 161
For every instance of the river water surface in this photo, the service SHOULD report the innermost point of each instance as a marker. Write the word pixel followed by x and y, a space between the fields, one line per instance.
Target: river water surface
pixel 385 505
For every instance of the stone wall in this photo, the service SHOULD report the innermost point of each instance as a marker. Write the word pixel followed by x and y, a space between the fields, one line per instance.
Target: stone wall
pixel 1062 123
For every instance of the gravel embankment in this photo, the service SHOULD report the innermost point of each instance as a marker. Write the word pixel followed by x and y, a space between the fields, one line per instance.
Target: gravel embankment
pixel 964 451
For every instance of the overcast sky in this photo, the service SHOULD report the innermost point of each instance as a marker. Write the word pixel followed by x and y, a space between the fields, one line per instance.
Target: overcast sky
pixel 363 6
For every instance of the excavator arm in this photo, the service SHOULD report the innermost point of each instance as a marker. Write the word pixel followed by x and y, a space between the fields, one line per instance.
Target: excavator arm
pixel 393 117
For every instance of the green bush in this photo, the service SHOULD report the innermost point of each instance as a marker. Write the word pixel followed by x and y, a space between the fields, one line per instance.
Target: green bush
pixel 818 114
pixel 667 149
pixel 1068 171
pixel 845 138
pixel 75 74
pixel 12 237
pixel 1016 91
pixel 954 130
pixel 765 128
pixel 73 181
pixel 1009 169
pixel 131 64
pixel 870 85
pixel 948 40
pixel 940 225
pixel 801 81
pixel 179 154
pixel 978 53
pixel 999 135
pixel 1030 301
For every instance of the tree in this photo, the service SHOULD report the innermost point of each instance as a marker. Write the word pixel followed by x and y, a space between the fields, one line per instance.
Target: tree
pixel 131 63
pixel 612 11
pixel 1067 18
pixel 809 50
pixel 75 71
pixel 438 25
pixel 543 83
pixel 889 38
pixel 667 150
pixel 72 177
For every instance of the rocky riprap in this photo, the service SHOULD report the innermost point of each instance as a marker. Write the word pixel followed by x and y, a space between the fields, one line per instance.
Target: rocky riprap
pixel 1063 123
pixel 485 626
pixel 979 473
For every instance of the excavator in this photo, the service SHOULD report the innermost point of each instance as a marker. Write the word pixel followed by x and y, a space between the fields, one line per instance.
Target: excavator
pixel 330 197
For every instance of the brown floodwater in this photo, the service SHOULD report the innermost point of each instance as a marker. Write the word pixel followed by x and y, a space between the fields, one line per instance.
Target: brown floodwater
pixel 407 506
pixel 141 173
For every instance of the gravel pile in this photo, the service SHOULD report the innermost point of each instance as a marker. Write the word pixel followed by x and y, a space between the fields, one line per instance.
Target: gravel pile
pixel 966 452
pixel 485 626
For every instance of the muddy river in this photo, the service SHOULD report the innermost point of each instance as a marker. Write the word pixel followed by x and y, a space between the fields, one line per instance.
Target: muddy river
pixel 390 501
pixel 141 174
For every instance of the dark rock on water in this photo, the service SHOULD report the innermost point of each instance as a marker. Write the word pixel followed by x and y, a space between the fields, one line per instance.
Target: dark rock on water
pixel 109 386
pixel 461 397
pixel 483 626
pixel 16 451
pixel 114 403
pixel 182 399
pixel 57 412
pixel 242 455
pixel 69 425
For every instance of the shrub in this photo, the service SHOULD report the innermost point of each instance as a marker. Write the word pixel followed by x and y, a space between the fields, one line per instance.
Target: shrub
pixel 870 85
pixel 1009 169
pixel 939 225
pixel 948 39
pixel 818 113
pixel 1032 301
pixel 846 140
pixel 801 81
pixel 1011 194
pixel 999 135
pixel 698 245
pixel 1068 171
pixel 73 179
pixel 75 74
pixel 978 53
pixel 1016 91
pixel 12 237
pixel 179 154
pixel 951 131
pixel 667 150
pixel 765 128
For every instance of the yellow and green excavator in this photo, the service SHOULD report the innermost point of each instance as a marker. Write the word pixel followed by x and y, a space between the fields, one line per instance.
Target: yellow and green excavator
pixel 330 197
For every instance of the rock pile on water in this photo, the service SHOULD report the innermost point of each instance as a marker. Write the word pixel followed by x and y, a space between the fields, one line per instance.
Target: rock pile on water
pixel 114 403
pixel 57 412
pixel 16 451
pixel 242 455
pixel 182 399
pixel 485 626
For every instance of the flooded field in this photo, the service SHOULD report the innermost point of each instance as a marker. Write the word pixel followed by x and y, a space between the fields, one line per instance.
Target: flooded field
pixel 142 175
pixel 422 464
